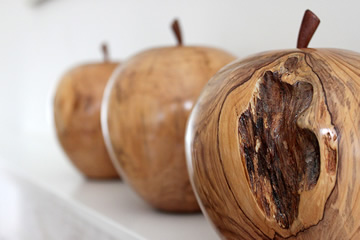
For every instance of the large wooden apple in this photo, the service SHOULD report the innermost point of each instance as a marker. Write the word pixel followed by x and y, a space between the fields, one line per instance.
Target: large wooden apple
pixel 146 113
pixel 273 144
pixel 77 117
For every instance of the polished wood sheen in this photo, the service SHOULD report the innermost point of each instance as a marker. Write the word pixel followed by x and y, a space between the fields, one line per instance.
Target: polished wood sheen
pixel 77 118
pixel 273 146
pixel 148 107
pixel 308 27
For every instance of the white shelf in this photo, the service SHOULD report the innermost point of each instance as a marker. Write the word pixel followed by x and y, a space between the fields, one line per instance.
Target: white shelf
pixel 44 197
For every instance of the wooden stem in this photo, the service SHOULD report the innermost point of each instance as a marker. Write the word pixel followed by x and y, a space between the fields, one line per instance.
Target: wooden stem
pixel 308 27
pixel 177 31
pixel 105 51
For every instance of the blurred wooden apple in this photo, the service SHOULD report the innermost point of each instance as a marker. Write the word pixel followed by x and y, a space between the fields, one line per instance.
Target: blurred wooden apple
pixel 77 117
pixel 147 110
pixel 273 146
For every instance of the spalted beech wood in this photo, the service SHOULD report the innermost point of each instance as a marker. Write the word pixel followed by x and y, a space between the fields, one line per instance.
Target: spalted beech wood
pixel 146 113
pixel 77 117
pixel 273 146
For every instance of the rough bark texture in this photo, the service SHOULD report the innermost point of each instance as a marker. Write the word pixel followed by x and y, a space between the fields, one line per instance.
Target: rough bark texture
pixel 282 159
pixel 273 146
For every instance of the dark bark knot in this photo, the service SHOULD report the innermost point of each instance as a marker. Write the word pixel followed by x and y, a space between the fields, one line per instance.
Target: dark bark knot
pixel 282 159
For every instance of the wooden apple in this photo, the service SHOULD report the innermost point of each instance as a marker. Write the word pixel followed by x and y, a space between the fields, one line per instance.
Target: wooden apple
pixel 77 117
pixel 273 144
pixel 147 109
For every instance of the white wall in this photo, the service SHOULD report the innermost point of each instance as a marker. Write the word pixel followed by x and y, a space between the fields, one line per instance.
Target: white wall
pixel 37 44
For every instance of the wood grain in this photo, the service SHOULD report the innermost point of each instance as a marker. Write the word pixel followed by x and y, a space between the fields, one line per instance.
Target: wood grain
pixel 147 112
pixel 77 118
pixel 273 146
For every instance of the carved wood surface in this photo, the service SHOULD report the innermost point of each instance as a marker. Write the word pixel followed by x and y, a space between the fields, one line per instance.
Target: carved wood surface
pixel 148 107
pixel 77 118
pixel 273 146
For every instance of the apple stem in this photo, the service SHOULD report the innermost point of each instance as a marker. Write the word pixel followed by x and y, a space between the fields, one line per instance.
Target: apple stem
pixel 177 31
pixel 308 27
pixel 105 51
